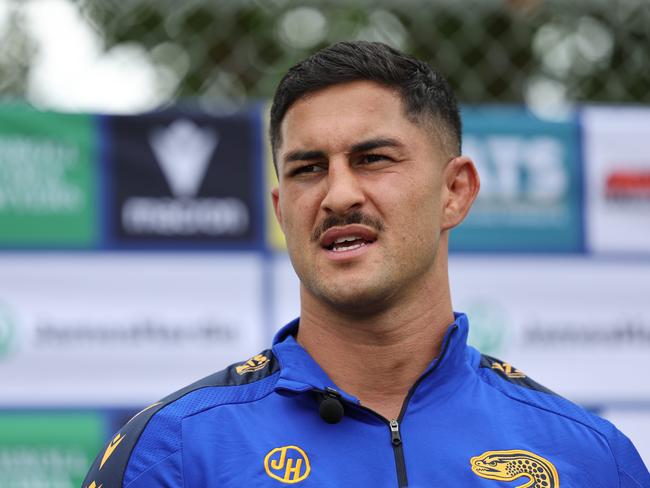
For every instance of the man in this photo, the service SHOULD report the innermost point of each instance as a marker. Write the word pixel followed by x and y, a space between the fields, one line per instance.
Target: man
pixel 374 385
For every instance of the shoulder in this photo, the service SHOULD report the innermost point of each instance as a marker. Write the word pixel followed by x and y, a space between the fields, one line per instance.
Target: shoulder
pixel 519 387
pixel 516 385
pixel 153 436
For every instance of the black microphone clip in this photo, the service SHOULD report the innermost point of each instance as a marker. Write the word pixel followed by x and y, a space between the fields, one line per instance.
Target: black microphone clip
pixel 331 408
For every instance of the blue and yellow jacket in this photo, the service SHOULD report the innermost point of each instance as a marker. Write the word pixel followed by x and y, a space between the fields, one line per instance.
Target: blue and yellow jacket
pixel 276 419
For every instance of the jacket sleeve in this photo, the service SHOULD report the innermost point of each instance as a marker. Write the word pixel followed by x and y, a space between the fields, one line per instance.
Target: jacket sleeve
pixel 631 470
pixel 136 460
pixel 115 469
pixel 168 473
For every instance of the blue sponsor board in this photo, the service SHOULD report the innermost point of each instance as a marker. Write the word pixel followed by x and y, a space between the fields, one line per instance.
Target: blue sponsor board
pixel 180 179
pixel 531 186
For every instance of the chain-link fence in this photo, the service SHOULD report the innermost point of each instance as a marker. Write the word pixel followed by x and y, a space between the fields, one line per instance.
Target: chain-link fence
pixel 543 53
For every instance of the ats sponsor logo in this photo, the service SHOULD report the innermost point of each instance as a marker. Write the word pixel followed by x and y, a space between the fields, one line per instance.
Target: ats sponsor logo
pixel 530 184
pixel 521 172
pixel 179 178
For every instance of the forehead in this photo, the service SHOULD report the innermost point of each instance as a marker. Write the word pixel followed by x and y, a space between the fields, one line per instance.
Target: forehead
pixel 339 116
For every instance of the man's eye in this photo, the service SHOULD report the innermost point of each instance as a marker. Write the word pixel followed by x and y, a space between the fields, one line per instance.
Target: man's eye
pixel 307 169
pixel 372 158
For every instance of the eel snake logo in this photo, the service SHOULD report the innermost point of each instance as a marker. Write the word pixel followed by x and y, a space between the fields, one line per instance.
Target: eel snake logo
pixel 511 465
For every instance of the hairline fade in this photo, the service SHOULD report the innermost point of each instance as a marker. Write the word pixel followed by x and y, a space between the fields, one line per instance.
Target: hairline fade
pixel 426 96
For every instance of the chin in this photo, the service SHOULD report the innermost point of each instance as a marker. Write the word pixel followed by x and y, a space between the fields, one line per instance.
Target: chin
pixel 354 300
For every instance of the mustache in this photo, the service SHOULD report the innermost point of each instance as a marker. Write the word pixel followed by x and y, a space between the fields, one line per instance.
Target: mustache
pixel 348 219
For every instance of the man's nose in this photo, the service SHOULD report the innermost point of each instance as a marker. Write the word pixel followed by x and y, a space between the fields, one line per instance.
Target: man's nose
pixel 344 191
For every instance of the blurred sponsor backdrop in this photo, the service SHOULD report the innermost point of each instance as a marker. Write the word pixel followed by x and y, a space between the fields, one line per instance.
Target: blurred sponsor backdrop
pixel 138 251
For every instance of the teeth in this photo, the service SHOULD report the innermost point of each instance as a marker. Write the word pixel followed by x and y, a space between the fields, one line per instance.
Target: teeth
pixel 348 248
pixel 346 239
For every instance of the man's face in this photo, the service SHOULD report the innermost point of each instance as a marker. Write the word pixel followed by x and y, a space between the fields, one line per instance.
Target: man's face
pixel 359 196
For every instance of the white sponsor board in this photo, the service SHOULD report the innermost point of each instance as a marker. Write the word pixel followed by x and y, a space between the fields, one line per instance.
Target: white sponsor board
pixel 579 326
pixel 285 291
pixel 617 176
pixel 123 329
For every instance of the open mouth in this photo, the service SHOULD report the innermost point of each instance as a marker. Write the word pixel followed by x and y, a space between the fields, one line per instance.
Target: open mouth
pixel 350 243
pixel 348 238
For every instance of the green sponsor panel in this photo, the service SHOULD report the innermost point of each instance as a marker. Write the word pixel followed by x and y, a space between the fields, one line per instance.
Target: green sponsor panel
pixel 531 190
pixel 7 331
pixel 47 178
pixel 51 450
pixel 490 331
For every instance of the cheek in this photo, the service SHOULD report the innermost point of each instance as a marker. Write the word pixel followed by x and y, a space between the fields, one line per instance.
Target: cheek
pixel 416 204
pixel 298 210
pixel 418 222
pixel 429 197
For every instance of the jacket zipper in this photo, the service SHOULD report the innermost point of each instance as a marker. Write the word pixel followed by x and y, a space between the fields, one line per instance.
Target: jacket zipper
pixel 395 440
pixel 396 436
pixel 394 425
pixel 398 451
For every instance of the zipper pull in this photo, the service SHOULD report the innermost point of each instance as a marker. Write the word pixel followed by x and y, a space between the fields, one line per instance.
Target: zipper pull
pixel 395 436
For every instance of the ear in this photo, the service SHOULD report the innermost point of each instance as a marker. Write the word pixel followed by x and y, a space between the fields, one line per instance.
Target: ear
pixel 461 185
pixel 275 198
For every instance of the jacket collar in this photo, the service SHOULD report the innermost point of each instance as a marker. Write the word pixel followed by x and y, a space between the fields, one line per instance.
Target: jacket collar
pixel 300 372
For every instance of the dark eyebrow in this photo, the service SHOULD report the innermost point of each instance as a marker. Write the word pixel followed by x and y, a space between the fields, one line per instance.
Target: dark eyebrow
pixel 369 145
pixel 301 155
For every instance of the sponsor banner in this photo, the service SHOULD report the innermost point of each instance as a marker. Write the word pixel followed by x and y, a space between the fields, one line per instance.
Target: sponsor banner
pixel 285 291
pixel 185 179
pixel 274 235
pixel 53 449
pixel 123 329
pixel 530 198
pixel 617 161
pixel 47 179
pixel 580 327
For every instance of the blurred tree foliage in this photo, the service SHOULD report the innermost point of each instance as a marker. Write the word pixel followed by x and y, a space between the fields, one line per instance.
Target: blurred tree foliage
pixel 491 51
pixel 16 53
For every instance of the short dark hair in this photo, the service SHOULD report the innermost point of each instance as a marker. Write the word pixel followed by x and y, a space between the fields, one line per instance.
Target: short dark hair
pixel 425 93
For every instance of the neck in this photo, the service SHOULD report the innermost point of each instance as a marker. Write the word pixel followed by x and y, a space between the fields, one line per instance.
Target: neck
pixel 378 357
